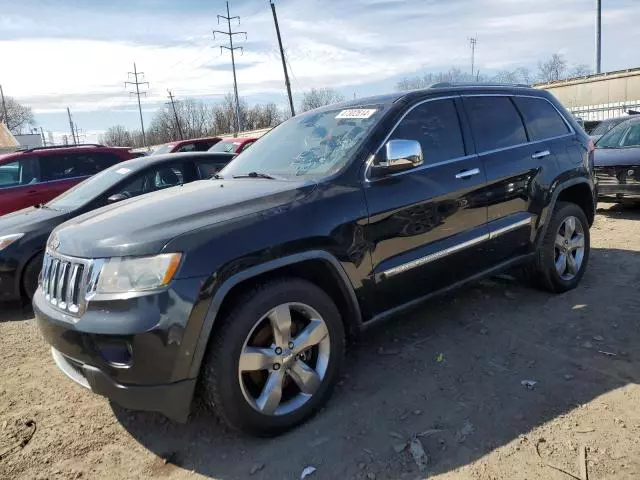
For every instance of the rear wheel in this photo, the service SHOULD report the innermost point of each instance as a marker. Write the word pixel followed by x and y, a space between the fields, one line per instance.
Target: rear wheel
pixel 30 276
pixel 275 359
pixel 564 252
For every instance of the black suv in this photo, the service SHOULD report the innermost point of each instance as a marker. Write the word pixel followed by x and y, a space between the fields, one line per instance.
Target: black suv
pixel 249 283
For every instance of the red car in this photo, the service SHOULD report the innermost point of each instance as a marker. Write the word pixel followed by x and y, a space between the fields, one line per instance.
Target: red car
pixel 232 145
pixel 192 145
pixel 34 176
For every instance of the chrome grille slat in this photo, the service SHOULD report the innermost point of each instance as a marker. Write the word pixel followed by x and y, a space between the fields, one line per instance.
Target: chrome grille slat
pixel 65 281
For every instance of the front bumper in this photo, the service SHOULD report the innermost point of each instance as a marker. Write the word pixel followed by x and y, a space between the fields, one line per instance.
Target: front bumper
pixel 619 190
pixel 135 351
pixel 166 399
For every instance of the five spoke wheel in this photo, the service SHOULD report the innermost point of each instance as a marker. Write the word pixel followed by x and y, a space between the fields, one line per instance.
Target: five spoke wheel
pixel 569 248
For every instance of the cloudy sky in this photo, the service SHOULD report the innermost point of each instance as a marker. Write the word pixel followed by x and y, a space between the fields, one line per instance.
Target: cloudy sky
pixel 76 53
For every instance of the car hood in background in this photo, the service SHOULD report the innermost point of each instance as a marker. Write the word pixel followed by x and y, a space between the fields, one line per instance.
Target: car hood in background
pixel 613 157
pixel 145 224
pixel 31 219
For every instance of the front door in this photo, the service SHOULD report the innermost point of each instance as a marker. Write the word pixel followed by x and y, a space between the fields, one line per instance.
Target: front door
pixel 427 225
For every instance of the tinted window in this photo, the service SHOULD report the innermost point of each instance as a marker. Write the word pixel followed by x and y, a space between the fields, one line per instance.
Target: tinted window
pixel 203 146
pixel 208 168
pixel 69 165
pixel 542 119
pixel 495 122
pixel 158 178
pixel 20 172
pixel 189 147
pixel 436 126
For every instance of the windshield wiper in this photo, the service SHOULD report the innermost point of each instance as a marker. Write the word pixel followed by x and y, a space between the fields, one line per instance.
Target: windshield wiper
pixel 255 175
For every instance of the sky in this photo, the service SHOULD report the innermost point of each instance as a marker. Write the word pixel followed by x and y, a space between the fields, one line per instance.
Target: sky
pixel 76 53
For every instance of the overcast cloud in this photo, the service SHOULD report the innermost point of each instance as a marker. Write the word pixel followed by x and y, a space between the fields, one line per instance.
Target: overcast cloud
pixel 77 53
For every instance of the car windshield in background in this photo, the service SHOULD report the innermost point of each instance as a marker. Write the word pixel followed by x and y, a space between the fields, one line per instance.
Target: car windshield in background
pixel 166 148
pixel 606 125
pixel 86 191
pixel 224 147
pixel 625 135
pixel 314 144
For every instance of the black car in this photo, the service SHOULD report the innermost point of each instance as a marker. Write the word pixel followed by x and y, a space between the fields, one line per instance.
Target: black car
pixel 23 234
pixel 617 161
pixel 606 126
pixel 250 284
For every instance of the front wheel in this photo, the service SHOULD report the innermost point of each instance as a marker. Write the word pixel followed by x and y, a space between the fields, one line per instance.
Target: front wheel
pixel 30 276
pixel 275 359
pixel 564 251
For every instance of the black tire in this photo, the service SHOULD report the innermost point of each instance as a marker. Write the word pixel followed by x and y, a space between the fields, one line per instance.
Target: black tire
pixel 220 382
pixel 542 271
pixel 30 276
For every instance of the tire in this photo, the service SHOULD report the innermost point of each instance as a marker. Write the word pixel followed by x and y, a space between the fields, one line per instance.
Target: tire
pixel 544 272
pixel 30 276
pixel 238 398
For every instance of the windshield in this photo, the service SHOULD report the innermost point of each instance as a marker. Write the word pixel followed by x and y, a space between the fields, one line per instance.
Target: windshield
pixel 606 125
pixel 166 148
pixel 314 144
pixel 92 187
pixel 626 134
pixel 224 147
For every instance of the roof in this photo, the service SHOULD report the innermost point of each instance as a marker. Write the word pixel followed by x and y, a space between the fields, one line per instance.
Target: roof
pixel 7 140
pixel 142 162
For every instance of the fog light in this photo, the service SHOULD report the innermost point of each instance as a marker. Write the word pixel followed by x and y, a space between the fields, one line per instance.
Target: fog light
pixel 115 352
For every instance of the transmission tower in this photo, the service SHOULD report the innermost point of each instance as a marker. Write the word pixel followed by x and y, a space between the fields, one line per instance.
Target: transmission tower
pixel 232 49
pixel 136 74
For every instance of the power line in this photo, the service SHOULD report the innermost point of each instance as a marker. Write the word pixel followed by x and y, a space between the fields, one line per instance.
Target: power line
pixel 73 134
pixel 472 42
pixel 137 93
pixel 175 114
pixel 284 65
pixel 232 49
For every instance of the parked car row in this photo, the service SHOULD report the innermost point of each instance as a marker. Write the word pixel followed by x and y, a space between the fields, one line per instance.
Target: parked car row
pixel 249 284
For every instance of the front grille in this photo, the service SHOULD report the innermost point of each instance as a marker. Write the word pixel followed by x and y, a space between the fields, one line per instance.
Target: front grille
pixel 66 281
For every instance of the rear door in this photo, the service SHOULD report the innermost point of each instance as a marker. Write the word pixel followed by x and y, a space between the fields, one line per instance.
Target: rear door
pixel 516 168
pixel 427 225
pixel 20 184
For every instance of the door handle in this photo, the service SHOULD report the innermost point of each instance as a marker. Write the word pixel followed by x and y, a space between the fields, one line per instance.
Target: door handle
pixel 542 154
pixel 468 173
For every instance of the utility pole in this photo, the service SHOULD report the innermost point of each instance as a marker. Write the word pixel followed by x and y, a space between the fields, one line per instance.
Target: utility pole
pixel 137 93
pixel 4 108
pixel 284 64
pixel 231 48
pixel 598 59
pixel 472 42
pixel 44 142
pixel 175 114
pixel 73 135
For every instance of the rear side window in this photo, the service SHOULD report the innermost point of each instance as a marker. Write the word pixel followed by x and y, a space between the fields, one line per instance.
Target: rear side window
pixel 21 172
pixel 189 147
pixel 436 126
pixel 70 165
pixel 541 118
pixel 208 168
pixel 495 122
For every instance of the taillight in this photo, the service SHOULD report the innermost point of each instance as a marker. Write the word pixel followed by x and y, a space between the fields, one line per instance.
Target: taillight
pixel 591 149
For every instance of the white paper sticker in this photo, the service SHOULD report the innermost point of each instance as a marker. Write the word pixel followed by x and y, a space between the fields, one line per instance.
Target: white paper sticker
pixel 123 171
pixel 357 113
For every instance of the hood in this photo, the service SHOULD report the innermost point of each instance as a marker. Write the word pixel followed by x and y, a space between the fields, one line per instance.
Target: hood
pixel 614 157
pixel 143 225
pixel 31 220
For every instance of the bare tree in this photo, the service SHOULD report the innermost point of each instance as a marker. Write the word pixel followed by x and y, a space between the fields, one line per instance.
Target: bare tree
pixel 18 116
pixel 319 97
pixel 117 136
pixel 553 69
pixel 580 70
pixel 524 75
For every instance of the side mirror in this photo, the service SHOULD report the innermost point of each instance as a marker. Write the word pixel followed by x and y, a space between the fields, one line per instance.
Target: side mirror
pixel 118 197
pixel 396 156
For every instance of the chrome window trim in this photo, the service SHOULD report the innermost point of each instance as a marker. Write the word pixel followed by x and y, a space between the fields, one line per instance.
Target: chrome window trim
pixel 369 161
pixel 456 248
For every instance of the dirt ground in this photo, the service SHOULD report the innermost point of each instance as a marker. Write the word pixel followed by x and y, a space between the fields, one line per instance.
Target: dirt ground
pixel 449 375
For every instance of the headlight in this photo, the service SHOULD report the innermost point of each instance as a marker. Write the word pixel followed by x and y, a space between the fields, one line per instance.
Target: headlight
pixel 6 240
pixel 133 274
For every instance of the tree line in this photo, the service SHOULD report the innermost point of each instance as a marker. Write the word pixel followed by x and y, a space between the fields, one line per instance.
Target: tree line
pixel 553 69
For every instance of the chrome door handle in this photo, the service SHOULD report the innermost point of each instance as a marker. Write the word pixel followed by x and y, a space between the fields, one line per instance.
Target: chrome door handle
pixel 468 173
pixel 542 154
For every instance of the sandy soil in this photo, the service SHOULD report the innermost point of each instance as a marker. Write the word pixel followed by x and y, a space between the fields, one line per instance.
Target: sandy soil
pixel 449 375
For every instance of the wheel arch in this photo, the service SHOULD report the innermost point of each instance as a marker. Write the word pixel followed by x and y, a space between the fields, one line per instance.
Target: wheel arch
pixel 318 267
pixel 576 190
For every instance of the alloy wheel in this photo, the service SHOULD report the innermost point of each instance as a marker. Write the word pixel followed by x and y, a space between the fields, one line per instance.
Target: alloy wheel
pixel 569 248
pixel 284 359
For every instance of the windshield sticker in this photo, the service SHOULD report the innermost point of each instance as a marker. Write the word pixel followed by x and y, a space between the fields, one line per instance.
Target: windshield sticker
pixel 357 113
pixel 123 171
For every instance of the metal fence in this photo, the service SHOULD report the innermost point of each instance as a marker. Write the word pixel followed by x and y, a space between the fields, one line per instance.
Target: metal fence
pixel 605 111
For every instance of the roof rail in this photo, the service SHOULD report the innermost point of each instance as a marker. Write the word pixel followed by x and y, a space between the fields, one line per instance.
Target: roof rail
pixel 475 84
pixel 60 146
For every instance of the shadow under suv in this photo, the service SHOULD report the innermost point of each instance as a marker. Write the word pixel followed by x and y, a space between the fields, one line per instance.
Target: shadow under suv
pixel 249 284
